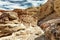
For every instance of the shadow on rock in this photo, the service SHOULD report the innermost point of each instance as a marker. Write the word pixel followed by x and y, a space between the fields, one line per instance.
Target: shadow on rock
pixel 43 37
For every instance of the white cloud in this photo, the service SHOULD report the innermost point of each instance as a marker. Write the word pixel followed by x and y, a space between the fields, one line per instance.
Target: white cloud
pixel 6 4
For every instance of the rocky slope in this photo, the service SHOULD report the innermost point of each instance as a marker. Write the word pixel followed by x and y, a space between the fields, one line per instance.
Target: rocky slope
pixel 18 26
pixel 21 24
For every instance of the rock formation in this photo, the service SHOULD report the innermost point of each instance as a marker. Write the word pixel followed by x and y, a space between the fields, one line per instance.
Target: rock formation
pixel 52 29
pixel 49 22
pixel 48 11
pixel 35 23
pixel 18 25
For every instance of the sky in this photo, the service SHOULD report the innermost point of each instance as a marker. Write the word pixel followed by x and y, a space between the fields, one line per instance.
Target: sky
pixel 20 4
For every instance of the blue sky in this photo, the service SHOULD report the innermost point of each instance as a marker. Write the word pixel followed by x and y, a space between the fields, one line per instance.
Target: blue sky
pixel 20 4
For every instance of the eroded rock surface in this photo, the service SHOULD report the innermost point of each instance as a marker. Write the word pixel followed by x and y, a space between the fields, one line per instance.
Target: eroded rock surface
pixel 18 26
pixel 6 21
pixel 50 12
pixel 22 24
pixel 52 29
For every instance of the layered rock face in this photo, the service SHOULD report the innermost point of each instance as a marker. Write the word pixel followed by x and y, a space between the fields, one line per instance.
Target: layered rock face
pixel 49 11
pixel 18 25
pixel 52 29
pixel 40 23
pixel 50 21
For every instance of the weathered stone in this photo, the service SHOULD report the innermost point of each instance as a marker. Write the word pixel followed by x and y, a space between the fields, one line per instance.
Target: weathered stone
pixel 12 15
pixel 9 17
pixel 17 29
pixel 52 29
pixel 14 27
pixel 29 33
pixel 57 6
